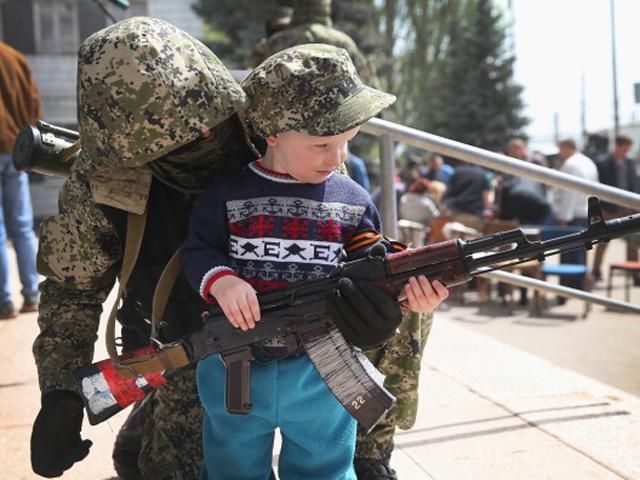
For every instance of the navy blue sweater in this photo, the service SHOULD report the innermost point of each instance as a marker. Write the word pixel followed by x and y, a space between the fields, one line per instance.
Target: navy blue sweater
pixel 272 230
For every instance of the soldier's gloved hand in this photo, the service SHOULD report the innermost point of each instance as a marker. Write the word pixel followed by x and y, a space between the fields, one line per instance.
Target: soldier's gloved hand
pixel 55 439
pixel 364 314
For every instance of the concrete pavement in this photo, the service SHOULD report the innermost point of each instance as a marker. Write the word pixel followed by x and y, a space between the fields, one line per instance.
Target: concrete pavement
pixel 488 410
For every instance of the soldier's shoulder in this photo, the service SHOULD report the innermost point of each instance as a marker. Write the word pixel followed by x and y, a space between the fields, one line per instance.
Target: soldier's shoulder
pixel 332 36
pixel 287 38
pixel 259 53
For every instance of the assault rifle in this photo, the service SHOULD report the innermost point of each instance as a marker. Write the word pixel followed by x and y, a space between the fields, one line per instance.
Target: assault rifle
pixel 298 314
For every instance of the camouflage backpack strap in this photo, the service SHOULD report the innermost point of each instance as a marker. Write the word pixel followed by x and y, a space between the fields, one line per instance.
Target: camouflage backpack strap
pixel 135 232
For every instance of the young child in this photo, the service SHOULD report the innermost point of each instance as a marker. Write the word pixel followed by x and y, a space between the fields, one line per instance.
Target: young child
pixel 284 218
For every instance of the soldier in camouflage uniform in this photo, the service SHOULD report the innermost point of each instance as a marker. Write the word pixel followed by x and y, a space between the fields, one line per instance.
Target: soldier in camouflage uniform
pixel 279 21
pixel 311 23
pixel 400 358
pixel 157 124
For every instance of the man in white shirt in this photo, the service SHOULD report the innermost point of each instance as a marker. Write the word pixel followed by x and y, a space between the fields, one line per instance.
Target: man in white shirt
pixel 570 206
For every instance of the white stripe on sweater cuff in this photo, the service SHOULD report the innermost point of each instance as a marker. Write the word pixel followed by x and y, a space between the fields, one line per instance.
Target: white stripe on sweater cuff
pixel 206 279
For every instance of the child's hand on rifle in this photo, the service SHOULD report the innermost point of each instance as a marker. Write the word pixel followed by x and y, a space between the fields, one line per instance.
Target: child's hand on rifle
pixel 424 296
pixel 238 301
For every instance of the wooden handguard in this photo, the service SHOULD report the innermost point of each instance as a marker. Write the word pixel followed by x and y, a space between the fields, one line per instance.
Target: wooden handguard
pixel 412 259
pixel 443 261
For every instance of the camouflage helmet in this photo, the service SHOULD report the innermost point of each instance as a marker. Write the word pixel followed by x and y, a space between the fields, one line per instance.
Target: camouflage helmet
pixel 145 88
pixel 311 11
pixel 312 88
pixel 280 20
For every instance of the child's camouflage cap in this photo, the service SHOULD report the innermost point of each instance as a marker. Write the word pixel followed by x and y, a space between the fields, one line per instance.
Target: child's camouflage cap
pixel 312 88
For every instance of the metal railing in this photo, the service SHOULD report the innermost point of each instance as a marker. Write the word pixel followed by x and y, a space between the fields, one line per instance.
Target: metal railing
pixel 390 132
pixel 535 284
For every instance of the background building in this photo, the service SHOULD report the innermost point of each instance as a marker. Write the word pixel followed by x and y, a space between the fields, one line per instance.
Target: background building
pixel 49 33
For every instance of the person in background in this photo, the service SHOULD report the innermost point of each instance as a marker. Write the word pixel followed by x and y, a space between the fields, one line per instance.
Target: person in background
pixel 570 207
pixel 399 190
pixel 517 148
pixel 19 106
pixel 412 170
pixel 357 170
pixel 438 169
pixel 417 203
pixel 469 196
pixel 277 22
pixel 519 197
pixel 596 146
pixel 311 23
pixel 618 170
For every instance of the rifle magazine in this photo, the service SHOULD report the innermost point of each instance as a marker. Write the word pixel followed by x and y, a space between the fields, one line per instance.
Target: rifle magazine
pixel 351 377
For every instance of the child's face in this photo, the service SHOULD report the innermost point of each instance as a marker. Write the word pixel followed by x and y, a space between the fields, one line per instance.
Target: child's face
pixel 307 158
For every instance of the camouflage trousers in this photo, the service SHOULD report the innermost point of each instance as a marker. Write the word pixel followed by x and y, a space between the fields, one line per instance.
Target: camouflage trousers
pixel 399 359
pixel 164 431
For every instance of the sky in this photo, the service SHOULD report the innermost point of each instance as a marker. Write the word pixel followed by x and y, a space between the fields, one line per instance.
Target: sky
pixel 559 42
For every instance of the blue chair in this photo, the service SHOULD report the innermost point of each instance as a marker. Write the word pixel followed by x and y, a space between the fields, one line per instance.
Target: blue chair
pixel 572 268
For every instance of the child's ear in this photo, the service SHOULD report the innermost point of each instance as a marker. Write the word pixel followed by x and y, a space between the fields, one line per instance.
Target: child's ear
pixel 272 140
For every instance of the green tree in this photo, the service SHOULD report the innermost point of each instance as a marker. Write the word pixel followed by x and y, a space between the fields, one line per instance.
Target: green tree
pixel 419 61
pixel 477 100
pixel 415 34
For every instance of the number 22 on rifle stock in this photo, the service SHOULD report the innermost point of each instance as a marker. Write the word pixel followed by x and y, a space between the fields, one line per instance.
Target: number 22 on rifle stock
pixel 358 402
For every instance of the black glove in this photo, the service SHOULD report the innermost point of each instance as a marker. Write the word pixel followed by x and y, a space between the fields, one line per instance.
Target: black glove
pixel 364 314
pixel 55 439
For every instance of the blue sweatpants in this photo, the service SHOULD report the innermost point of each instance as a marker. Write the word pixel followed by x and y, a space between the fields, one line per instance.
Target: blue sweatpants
pixel 318 435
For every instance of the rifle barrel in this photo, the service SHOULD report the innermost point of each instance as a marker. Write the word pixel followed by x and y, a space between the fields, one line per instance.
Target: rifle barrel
pixel 529 250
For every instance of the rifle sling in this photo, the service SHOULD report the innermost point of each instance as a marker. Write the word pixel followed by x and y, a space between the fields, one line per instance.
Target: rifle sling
pixel 135 232
pixel 163 290
pixel 165 358
pixel 170 356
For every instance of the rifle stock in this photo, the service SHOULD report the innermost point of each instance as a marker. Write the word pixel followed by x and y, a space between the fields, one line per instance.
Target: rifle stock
pixel 298 311
pixel 105 391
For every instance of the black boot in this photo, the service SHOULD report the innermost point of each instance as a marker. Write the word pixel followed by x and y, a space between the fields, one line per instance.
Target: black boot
pixel 370 469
